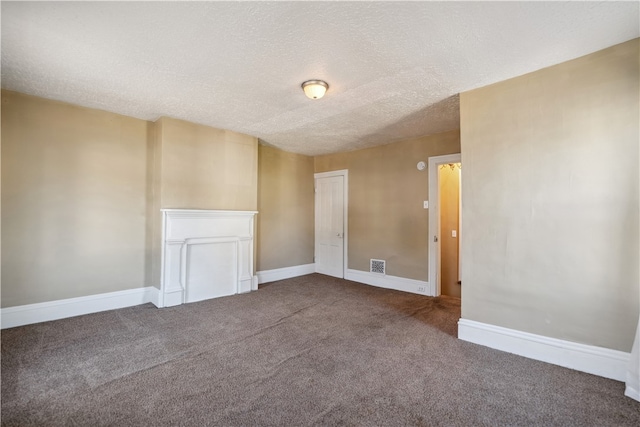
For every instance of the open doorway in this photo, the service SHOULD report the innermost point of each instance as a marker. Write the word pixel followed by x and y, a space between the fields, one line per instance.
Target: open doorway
pixel 449 203
pixel 445 225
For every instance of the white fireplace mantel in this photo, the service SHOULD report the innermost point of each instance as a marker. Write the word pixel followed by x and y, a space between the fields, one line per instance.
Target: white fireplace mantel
pixel 205 254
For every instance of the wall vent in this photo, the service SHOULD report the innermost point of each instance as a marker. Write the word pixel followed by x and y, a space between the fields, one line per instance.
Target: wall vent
pixel 377 266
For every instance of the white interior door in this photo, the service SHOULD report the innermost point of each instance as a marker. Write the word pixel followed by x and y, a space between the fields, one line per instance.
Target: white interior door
pixel 330 225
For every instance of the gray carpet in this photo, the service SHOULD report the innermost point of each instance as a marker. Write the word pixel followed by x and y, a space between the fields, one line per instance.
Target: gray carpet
pixel 306 351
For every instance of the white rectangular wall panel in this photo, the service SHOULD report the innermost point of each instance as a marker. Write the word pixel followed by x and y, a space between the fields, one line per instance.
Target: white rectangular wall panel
pixel 206 254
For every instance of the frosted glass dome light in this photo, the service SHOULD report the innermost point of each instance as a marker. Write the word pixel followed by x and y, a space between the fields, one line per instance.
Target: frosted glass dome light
pixel 315 89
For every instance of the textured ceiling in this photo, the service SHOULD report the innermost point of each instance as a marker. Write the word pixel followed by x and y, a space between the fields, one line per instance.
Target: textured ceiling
pixel 394 68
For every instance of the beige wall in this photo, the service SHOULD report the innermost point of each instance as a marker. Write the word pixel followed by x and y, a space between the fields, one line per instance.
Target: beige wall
pixel 449 180
pixel 82 191
pixel 73 200
pixel 386 193
pixel 285 205
pixel 550 200
pixel 153 213
pixel 206 168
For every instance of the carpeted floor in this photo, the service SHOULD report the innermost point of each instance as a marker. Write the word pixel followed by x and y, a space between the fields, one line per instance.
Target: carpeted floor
pixel 313 350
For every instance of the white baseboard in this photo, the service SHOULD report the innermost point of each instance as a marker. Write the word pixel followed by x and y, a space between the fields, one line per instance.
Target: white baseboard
pixel 60 309
pixel 632 393
pixel 599 361
pixel 154 295
pixel 267 276
pixel 389 282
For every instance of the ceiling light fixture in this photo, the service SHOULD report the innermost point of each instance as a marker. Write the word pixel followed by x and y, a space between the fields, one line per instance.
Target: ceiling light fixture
pixel 315 89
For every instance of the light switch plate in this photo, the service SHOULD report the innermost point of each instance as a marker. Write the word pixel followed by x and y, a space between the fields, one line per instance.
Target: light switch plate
pixel 426 204
pixel 454 233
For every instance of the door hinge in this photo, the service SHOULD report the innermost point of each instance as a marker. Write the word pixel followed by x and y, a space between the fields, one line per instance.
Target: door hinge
pixel 435 239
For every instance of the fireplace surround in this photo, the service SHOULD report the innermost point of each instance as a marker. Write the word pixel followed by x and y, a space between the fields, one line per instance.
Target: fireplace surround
pixel 206 254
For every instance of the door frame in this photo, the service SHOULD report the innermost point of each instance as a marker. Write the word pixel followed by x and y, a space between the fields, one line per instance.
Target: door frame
pixel 344 173
pixel 434 217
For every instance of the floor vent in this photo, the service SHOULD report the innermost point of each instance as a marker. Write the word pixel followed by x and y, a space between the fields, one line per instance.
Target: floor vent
pixel 377 266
